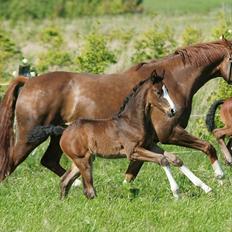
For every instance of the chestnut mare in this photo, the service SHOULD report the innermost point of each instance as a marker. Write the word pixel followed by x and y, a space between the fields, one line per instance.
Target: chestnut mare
pixel 221 133
pixel 60 97
pixel 122 136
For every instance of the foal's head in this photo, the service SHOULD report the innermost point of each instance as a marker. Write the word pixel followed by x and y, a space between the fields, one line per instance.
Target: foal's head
pixel 157 96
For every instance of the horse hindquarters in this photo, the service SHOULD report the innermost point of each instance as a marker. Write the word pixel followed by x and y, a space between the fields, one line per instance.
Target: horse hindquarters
pixel 7 108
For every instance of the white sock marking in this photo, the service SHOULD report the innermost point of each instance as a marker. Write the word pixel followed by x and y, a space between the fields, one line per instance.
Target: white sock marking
pixel 194 179
pixel 77 183
pixel 217 170
pixel 174 186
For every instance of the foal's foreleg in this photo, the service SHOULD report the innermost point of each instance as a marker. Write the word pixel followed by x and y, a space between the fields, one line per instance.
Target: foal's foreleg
pixel 176 161
pixel 225 151
pixel 85 167
pixel 145 155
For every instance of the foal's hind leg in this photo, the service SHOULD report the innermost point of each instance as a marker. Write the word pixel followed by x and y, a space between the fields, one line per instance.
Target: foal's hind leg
pixel 51 157
pixel 67 180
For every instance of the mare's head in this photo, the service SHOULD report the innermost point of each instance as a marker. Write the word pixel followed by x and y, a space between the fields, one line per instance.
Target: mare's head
pixel 157 95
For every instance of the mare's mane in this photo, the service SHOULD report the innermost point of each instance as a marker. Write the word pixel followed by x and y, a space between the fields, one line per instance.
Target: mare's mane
pixel 203 53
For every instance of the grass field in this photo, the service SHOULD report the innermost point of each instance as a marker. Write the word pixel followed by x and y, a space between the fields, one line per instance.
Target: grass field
pixel 29 198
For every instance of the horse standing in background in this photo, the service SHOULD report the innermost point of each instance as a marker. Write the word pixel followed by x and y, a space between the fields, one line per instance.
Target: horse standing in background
pixel 60 97
pixel 226 131
pixel 122 136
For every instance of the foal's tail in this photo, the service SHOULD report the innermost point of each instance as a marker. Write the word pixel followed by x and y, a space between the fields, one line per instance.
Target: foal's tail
pixel 39 133
pixel 7 112
pixel 211 114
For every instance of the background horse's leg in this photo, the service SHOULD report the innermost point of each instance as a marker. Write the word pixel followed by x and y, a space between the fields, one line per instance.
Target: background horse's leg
pixel 225 151
pixel 51 158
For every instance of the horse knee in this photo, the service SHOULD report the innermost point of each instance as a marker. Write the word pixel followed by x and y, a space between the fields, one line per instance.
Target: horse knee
pixel 164 162
pixel 209 149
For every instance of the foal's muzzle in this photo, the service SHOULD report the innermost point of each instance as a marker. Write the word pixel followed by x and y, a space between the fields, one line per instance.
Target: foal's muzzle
pixel 171 112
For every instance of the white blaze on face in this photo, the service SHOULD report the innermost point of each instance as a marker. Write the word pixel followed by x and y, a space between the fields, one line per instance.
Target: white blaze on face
pixel 167 97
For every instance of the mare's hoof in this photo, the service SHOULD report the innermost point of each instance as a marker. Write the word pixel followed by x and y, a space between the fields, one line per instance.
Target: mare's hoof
pixel 228 163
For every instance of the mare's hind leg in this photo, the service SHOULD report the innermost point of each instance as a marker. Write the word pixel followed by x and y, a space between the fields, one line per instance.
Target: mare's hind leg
pixel 51 158
pixel 67 180
pixel 20 152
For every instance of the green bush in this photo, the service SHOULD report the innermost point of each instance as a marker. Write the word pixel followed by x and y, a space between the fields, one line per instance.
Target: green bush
pixel 154 44
pixel 191 35
pixel 51 36
pixel 53 58
pixel 95 55
pixel 224 28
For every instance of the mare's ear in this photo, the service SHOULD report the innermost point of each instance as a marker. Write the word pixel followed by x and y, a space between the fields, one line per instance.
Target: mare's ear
pixel 155 78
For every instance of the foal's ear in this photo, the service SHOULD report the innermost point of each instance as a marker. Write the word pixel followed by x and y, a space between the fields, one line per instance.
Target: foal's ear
pixel 155 78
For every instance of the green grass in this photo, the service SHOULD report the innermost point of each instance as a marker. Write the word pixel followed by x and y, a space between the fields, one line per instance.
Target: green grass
pixel 29 200
pixel 185 7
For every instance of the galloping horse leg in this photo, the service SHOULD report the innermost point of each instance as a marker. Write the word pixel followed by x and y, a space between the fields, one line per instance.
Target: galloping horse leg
pixel 229 145
pixel 220 135
pixel 67 180
pixel 51 157
pixel 182 138
pixel 85 166
pixel 225 151
pixel 145 155
pixel 20 152
pixel 176 161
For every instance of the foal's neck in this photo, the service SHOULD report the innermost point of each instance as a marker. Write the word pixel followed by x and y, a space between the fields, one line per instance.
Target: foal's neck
pixel 134 113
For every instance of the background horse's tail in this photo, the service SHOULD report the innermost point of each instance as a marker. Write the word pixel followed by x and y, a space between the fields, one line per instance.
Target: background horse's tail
pixel 7 112
pixel 211 114
pixel 39 133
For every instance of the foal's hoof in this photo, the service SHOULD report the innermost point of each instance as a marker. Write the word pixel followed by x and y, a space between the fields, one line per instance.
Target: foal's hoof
pixel 176 194
pixel 90 195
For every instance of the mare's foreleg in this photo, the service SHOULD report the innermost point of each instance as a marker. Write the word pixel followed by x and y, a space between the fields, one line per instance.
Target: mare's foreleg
pixel 182 138
pixel 142 154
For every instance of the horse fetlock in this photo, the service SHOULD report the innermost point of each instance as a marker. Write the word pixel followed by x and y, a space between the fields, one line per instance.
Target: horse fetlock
pixel 164 162
pixel 90 193
pixel 217 170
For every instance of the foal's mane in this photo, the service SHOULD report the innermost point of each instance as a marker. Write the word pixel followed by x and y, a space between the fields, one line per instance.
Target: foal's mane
pixel 136 89
pixel 203 53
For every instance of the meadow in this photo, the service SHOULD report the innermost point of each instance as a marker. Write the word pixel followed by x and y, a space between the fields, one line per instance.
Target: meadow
pixel 29 198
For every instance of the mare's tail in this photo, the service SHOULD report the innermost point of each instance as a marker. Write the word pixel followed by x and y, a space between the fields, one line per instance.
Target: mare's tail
pixel 7 112
pixel 211 114
pixel 39 133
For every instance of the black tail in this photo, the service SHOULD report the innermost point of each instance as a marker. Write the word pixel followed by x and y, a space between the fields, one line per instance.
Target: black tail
pixel 40 133
pixel 209 120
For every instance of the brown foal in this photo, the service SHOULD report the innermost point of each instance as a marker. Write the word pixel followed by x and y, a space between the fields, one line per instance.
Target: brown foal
pixel 123 136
